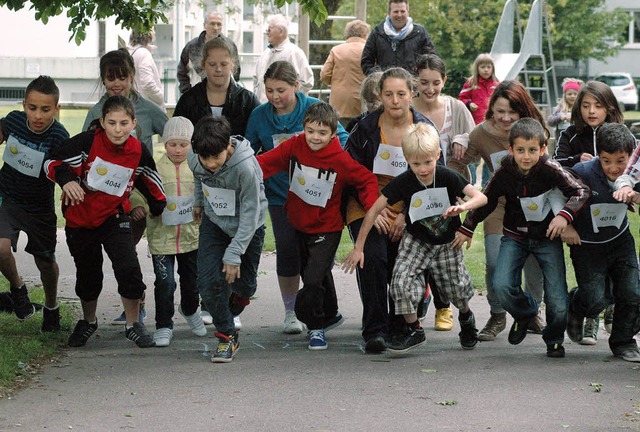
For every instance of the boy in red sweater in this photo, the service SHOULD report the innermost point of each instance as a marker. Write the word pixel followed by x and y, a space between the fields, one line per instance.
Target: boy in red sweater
pixel 319 169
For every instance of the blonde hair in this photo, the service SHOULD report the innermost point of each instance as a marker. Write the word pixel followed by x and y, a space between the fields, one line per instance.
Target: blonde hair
pixel 357 28
pixel 369 92
pixel 563 102
pixel 420 139
pixel 483 58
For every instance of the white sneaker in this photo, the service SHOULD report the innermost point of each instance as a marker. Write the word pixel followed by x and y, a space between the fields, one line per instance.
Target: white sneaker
pixel 195 323
pixel 207 319
pixel 291 323
pixel 237 324
pixel 162 337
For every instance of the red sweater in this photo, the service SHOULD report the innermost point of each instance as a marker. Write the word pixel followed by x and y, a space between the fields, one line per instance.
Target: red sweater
pixel 72 162
pixel 311 219
pixel 479 95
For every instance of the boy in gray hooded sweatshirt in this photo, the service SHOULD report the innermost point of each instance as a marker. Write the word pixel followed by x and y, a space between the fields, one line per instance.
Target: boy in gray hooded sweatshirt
pixel 229 187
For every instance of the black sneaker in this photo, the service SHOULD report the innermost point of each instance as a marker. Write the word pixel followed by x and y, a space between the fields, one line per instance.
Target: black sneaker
pixel 237 304
pixel 410 339
pixel 138 333
pixel 375 345
pixel 22 306
pixel 468 333
pixel 50 320
pixel 81 333
pixel 228 346
pixel 333 322
pixel 575 326
pixel 518 331
pixel 555 350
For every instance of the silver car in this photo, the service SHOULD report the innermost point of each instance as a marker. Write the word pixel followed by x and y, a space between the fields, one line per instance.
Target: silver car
pixel 623 87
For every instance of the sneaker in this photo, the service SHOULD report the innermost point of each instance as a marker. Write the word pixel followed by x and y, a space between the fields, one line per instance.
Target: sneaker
pixel 138 333
pixel 555 351
pixel 494 326
pixel 22 306
pixel 50 320
pixel 608 318
pixel 291 323
pixel 207 319
pixel 423 307
pixel 162 337
pixel 518 331
pixel 195 322
pixel 409 339
pixel 575 326
pixel 536 325
pixel 630 354
pixel 468 333
pixel 228 346
pixel 590 336
pixel 444 319
pixel 237 303
pixel 334 322
pixel 237 324
pixel 375 345
pixel 81 333
pixel 317 340
pixel 120 320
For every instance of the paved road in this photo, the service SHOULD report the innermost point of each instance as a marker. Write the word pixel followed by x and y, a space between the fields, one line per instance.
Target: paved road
pixel 276 384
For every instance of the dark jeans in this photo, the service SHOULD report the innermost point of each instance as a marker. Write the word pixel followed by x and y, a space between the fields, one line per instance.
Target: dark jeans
pixel 317 301
pixel 212 285
pixel 165 285
pixel 594 265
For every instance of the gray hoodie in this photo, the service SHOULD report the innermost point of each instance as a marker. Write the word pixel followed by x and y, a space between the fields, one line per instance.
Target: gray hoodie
pixel 242 174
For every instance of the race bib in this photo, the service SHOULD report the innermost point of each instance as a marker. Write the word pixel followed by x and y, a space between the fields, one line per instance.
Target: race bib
pixel 496 158
pixel 389 161
pixel 606 215
pixel 179 210
pixel 311 189
pixel 222 201
pixel 108 177
pixel 280 138
pixel 428 203
pixel 23 158
pixel 536 208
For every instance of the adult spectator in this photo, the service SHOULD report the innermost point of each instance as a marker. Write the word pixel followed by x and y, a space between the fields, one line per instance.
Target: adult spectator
pixel 397 41
pixel 190 70
pixel 281 48
pixel 342 70
pixel 147 77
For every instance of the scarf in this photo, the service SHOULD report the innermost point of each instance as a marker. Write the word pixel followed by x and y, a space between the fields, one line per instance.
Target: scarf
pixel 397 36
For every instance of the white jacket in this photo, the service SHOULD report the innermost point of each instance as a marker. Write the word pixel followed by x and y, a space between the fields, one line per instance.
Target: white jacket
pixel 147 78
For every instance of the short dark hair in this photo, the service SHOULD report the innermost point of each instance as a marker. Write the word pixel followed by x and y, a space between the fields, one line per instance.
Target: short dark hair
pixel 43 84
pixel 323 114
pixel 529 129
pixel 211 136
pixel 614 137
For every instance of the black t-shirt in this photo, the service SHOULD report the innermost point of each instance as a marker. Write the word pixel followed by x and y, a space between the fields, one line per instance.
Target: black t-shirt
pixel 435 229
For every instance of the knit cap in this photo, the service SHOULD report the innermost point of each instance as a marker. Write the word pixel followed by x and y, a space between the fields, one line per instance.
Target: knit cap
pixel 177 128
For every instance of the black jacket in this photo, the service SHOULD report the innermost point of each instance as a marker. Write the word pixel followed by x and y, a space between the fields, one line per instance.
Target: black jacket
pixel 572 144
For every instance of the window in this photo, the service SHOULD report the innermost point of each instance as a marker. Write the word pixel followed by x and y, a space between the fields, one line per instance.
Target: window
pixel 635 28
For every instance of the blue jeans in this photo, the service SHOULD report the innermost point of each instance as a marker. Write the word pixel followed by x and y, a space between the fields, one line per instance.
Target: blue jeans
pixel 165 286
pixel 212 285
pixel 507 282
pixel 616 262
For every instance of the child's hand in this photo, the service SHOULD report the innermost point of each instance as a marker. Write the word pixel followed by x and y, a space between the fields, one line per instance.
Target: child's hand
pixel 355 257
pixel 556 227
pixel 382 223
pixel 72 194
pixel 454 210
pixel 458 151
pixel 584 157
pixel 197 214
pixel 473 107
pixel 397 228
pixel 460 240
pixel 625 194
pixel 138 213
pixel 231 272
pixel 570 236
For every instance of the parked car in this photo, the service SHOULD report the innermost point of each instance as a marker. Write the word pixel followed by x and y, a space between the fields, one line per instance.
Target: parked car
pixel 623 87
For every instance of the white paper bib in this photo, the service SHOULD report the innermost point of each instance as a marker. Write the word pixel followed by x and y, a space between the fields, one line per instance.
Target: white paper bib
pixel 223 201
pixel 108 177
pixel 428 203
pixel 280 138
pixel 535 208
pixel 605 215
pixel 389 161
pixel 23 158
pixel 179 210
pixel 311 189
pixel 496 158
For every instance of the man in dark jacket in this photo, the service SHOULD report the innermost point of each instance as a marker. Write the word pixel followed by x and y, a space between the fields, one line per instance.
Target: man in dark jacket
pixel 189 70
pixel 397 41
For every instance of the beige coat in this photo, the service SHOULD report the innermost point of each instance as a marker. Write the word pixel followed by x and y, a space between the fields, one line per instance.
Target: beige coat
pixel 342 70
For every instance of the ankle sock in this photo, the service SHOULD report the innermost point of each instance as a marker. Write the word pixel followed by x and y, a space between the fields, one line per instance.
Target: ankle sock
pixel 289 302
pixel 465 316
pixel 414 325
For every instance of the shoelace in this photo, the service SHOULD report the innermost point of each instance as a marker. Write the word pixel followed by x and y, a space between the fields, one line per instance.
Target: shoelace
pixel 316 334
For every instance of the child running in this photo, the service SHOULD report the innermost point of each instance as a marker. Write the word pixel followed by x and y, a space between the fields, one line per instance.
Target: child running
pixel 229 187
pixel 319 169
pixel 525 179
pixel 97 170
pixel 427 190
pixel 26 196
pixel 561 116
